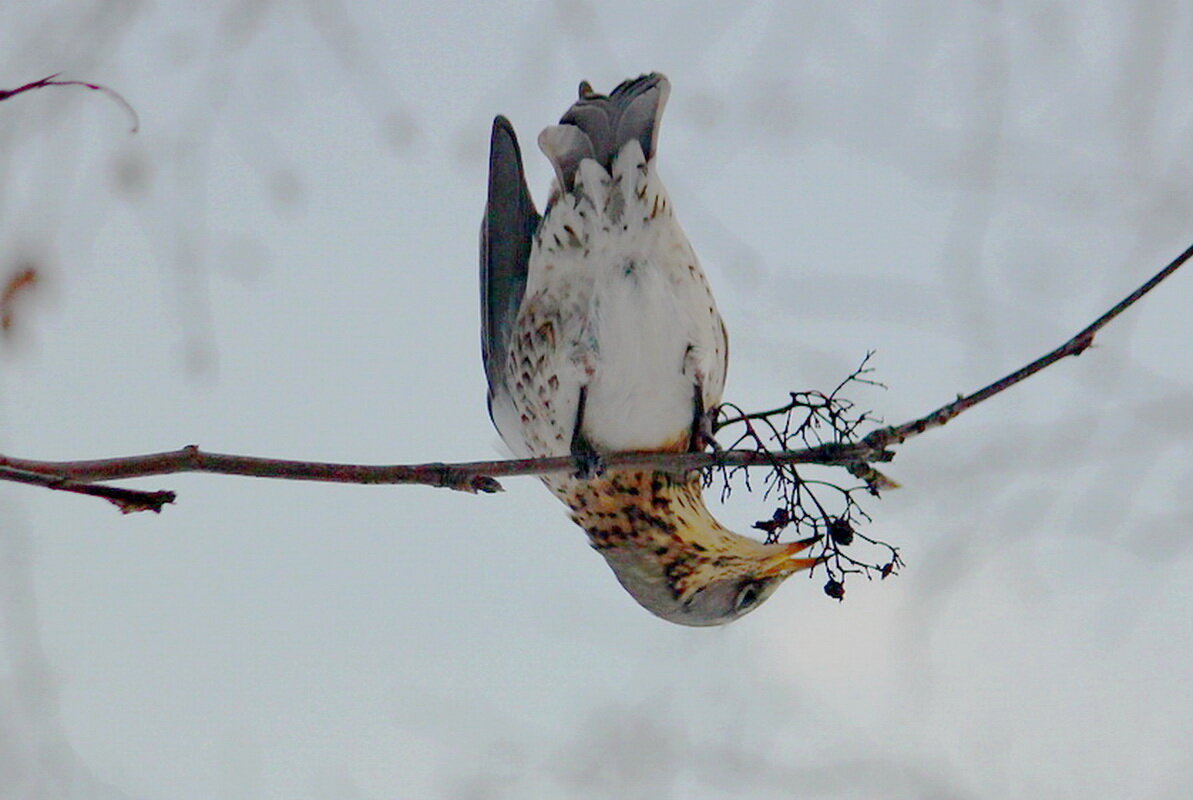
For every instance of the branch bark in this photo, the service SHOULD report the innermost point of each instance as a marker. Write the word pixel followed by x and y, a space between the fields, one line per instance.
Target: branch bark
pixel 481 476
pixel 127 500
pixel 474 476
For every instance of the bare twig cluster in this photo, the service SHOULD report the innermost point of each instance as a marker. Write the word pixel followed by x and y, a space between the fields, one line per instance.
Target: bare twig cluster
pixel 809 507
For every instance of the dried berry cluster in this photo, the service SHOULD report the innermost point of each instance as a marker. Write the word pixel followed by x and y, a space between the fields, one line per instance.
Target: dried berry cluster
pixel 812 508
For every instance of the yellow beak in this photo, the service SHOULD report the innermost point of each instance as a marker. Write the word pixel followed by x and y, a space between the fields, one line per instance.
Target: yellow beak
pixel 784 562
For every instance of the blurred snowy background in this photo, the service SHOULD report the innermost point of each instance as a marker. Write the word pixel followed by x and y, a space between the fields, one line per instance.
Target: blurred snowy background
pixel 282 262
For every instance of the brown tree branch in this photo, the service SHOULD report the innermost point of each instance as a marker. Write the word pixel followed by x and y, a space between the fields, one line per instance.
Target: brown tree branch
pixel 127 500
pixel 475 476
pixel 481 476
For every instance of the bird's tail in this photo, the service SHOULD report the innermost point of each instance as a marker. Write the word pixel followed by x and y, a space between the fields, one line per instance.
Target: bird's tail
pixel 597 125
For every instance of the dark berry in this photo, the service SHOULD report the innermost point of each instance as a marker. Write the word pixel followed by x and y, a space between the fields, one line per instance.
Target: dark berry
pixel 841 532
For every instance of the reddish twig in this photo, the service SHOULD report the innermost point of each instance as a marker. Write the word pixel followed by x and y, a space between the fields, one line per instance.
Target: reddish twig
pixel 50 81
pixel 19 283
pixel 127 500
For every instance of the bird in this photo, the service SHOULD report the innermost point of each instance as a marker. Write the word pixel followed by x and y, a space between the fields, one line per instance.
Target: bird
pixel 600 334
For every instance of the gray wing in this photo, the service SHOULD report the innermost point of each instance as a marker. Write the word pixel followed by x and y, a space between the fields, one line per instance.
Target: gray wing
pixel 506 234
pixel 597 125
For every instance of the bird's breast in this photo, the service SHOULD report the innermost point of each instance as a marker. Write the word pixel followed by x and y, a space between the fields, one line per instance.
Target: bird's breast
pixel 639 330
pixel 617 307
pixel 642 393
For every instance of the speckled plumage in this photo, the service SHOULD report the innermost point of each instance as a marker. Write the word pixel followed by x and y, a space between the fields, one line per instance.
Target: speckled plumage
pixel 601 334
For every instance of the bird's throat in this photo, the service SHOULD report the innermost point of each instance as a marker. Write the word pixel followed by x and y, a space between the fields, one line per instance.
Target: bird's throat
pixel 642 508
pixel 655 518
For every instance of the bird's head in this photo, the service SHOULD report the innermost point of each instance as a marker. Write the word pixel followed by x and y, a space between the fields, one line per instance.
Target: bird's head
pixel 689 585
pixel 672 556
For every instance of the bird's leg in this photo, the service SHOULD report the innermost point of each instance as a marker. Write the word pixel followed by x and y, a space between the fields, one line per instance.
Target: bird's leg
pixel 702 421
pixel 589 462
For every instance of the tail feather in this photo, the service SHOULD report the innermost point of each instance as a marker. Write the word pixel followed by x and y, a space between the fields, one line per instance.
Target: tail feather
pixel 597 126
pixel 506 232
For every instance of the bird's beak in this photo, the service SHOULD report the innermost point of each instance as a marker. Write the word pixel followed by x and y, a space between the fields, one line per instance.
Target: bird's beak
pixel 784 562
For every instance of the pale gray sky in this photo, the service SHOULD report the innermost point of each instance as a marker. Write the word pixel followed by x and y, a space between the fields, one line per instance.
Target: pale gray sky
pixel 282 262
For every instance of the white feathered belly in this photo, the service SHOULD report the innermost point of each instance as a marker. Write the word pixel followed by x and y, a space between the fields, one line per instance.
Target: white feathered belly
pixel 648 358
pixel 616 304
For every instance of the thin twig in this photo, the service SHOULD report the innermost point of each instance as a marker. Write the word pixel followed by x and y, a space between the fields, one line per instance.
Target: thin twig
pixel 897 434
pixel 50 81
pixel 127 500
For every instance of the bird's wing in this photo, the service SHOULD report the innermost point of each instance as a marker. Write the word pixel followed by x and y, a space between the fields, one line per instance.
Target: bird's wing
pixel 506 233
pixel 597 126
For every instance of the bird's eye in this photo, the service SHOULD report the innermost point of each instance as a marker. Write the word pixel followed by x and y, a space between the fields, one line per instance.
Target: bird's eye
pixel 747 597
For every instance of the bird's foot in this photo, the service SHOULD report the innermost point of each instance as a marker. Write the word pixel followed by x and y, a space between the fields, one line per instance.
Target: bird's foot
pixel 702 433
pixel 589 463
